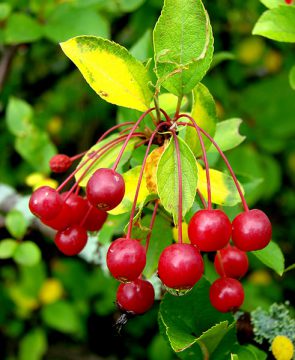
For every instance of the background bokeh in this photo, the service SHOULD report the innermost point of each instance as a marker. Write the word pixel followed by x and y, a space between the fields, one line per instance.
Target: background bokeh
pixel 55 307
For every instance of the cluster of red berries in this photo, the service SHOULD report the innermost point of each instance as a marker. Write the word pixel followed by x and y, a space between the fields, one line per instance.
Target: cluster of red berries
pixel 180 265
pixel 73 215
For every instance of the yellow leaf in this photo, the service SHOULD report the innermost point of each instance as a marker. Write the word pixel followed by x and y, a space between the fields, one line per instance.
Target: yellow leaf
pixel 150 170
pixel 51 291
pixel 131 179
pixel 223 189
pixel 112 72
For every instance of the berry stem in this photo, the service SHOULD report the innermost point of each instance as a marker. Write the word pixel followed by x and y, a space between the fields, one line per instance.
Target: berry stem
pixel 129 137
pixel 221 153
pixel 114 128
pixel 148 238
pixel 128 236
pixel 178 106
pixel 180 195
pixel 204 157
pixel 202 198
pixel 94 156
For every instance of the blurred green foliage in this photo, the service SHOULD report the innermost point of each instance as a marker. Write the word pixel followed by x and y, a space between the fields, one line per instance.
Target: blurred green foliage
pixel 60 308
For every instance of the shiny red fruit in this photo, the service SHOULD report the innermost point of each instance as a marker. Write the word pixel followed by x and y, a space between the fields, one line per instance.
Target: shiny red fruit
pixel 126 259
pixel 209 230
pixel 95 219
pixel 226 294
pixel 60 163
pixel 231 262
pixel 45 203
pixel 105 189
pixel 251 230
pixel 180 266
pixel 136 297
pixel 72 240
pixel 77 207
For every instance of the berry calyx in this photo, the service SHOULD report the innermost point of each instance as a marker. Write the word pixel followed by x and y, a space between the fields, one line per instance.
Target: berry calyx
pixel 136 297
pixel 209 230
pixel 60 163
pixel 126 259
pixel 105 189
pixel 45 203
pixel 251 230
pixel 226 294
pixel 95 219
pixel 231 262
pixel 180 266
pixel 71 241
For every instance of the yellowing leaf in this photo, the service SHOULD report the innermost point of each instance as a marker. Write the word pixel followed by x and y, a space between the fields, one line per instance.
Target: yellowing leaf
pixel 223 189
pixel 113 73
pixel 131 179
pixel 150 170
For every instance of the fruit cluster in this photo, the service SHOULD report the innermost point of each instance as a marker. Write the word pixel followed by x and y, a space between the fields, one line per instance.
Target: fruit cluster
pixel 181 264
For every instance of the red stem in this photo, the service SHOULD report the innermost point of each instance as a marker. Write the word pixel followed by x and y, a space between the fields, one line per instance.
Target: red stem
pixel 220 263
pixel 202 198
pixel 114 128
pixel 246 208
pixel 204 157
pixel 94 155
pixel 148 238
pixel 128 236
pixel 180 199
pixel 129 137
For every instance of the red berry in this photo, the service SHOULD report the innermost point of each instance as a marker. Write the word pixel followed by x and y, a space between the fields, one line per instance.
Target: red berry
pixel 251 230
pixel 226 294
pixel 180 266
pixel 77 207
pixel 210 230
pixel 95 219
pixel 105 189
pixel 289 2
pixel 61 221
pixel 72 240
pixel 126 259
pixel 136 297
pixel 60 163
pixel 231 262
pixel 45 203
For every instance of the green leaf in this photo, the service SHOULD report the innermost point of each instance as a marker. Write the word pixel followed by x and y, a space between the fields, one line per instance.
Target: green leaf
pixel 5 10
pixel 19 116
pixel 183 44
pixel 167 178
pixel 66 22
pixel 16 224
pixel 7 248
pixel 289 268
pixel 131 178
pixel 191 319
pixel 220 57
pixel 105 161
pixel 62 316
pixel 22 28
pixel 272 257
pixel 112 72
pixel 223 188
pixel 36 148
pixel 272 3
pixel 277 24
pixel 204 114
pixel 27 253
pixel 33 345
pixel 234 357
pixel 227 135
pixel 292 77
pixel 161 237
pixel 143 48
